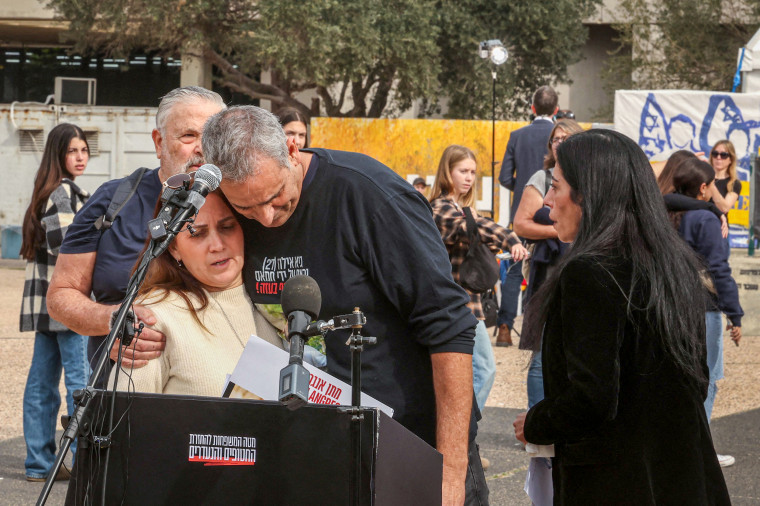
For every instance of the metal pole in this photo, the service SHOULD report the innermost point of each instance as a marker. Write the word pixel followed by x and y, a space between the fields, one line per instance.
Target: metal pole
pixel 755 161
pixel 493 147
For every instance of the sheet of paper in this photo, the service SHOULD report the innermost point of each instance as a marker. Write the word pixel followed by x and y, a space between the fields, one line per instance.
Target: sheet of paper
pixel 257 374
pixel 538 482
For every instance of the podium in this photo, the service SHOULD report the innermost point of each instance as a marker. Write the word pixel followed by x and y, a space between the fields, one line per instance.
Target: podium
pixel 170 449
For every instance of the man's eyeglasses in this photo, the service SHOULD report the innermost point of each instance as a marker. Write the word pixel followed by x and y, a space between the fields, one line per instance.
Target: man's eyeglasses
pixel 720 154
pixel 178 180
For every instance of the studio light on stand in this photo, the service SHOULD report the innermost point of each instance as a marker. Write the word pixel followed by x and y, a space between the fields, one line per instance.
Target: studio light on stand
pixel 495 51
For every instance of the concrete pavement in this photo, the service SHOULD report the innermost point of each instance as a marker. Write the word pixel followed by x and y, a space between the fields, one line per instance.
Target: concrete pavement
pixel 737 434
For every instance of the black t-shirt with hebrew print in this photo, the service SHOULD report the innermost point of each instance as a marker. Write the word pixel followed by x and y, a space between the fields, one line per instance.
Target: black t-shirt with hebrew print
pixel 368 238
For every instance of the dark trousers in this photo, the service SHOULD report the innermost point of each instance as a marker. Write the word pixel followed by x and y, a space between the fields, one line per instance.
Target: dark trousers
pixel 510 293
pixel 475 488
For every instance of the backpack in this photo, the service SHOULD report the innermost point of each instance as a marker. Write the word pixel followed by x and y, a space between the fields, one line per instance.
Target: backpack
pixel 127 187
pixel 479 270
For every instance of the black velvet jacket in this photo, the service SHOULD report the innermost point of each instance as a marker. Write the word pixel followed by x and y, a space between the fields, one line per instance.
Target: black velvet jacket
pixel 628 426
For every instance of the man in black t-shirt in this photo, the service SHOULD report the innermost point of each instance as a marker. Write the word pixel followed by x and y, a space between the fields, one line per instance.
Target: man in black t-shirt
pixel 368 238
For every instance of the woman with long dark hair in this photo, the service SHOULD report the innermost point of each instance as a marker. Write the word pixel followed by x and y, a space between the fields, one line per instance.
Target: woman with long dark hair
pixel 701 230
pixel 55 200
pixel 295 125
pixel 453 192
pixel 623 345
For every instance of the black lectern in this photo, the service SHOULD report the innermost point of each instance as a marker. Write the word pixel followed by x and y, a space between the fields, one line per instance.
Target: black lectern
pixel 170 449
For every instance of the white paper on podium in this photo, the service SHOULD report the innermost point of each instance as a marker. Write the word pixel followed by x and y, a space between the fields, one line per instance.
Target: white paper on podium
pixel 258 372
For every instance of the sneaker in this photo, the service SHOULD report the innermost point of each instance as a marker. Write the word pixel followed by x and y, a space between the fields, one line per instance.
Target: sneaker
pixel 726 460
pixel 62 475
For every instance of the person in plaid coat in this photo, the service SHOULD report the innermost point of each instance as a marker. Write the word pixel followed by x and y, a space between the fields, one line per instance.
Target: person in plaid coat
pixel 453 189
pixel 55 200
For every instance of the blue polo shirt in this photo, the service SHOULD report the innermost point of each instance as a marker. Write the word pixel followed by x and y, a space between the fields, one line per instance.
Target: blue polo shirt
pixel 118 247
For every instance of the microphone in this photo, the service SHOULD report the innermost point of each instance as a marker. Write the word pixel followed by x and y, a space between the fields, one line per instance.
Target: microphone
pixel 301 301
pixel 183 204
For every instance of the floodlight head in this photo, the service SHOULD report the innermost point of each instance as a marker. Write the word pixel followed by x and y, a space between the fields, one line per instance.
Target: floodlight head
pixel 494 50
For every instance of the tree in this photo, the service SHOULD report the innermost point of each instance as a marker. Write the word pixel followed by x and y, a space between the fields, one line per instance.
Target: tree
pixel 543 39
pixel 364 58
pixel 680 44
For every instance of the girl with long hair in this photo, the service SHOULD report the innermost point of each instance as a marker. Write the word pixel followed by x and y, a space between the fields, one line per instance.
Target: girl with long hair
pixel 453 191
pixel 623 343
pixel 55 200
pixel 701 230
pixel 665 179
pixel 727 187
pixel 295 125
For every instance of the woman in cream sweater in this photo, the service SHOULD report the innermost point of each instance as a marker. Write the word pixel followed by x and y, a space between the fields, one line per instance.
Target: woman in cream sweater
pixel 195 290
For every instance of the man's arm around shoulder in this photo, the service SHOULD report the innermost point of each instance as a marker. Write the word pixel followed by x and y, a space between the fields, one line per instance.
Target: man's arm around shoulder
pixel 68 301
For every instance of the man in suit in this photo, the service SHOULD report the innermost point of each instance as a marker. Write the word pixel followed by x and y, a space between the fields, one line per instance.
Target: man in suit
pixel 524 157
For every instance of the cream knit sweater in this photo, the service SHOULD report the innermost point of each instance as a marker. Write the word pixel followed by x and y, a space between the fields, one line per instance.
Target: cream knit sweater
pixel 196 361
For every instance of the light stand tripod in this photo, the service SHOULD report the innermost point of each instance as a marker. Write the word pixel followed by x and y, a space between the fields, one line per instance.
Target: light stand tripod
pixel 495 51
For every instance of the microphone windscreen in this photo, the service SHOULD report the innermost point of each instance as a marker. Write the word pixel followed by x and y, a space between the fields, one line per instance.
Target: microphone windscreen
pixel 209 174
pixel 301 293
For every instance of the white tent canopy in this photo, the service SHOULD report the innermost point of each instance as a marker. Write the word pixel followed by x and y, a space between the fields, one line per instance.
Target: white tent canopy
pixel 750 64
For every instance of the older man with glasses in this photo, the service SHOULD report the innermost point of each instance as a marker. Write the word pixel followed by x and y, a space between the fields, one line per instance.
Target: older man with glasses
pixel 97 260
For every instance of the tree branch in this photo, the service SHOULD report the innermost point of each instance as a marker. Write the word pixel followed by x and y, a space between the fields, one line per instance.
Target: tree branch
pixel 241 83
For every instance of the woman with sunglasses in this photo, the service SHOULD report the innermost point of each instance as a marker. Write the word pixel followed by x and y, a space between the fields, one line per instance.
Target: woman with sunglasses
pixel 55 200
pixel 727 187
pixel 195 290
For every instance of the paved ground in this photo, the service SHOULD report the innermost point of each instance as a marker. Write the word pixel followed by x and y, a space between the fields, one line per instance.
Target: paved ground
pixel 737 434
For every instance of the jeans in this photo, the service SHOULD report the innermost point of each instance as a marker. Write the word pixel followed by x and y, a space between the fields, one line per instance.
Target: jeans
pixel 510 293
pixel 483 365
pixel 475 488
pixel 714 321
pixel 535 380
pixel 52 350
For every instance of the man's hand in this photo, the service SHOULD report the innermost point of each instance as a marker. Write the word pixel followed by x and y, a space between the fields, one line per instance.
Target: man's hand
pixel 452 381
pixel 519 425
pixel 147 346
pixel 736 333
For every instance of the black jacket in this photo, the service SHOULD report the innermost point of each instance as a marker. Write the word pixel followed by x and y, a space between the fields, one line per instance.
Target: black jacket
pixel 628 426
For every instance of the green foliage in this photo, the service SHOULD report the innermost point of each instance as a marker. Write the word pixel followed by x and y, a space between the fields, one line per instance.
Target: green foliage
pixel 543 38
pixel 365 57
pixel 680 44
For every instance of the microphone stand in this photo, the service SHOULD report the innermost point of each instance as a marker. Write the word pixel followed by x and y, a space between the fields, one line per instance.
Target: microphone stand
pixel 80 423
pixel 356 344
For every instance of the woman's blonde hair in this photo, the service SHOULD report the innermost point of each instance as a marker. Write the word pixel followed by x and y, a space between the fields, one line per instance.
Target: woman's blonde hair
pixel 732 166
pixel 443 184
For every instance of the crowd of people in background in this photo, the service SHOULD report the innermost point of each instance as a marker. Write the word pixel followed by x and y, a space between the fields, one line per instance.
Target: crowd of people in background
pixel 615 379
